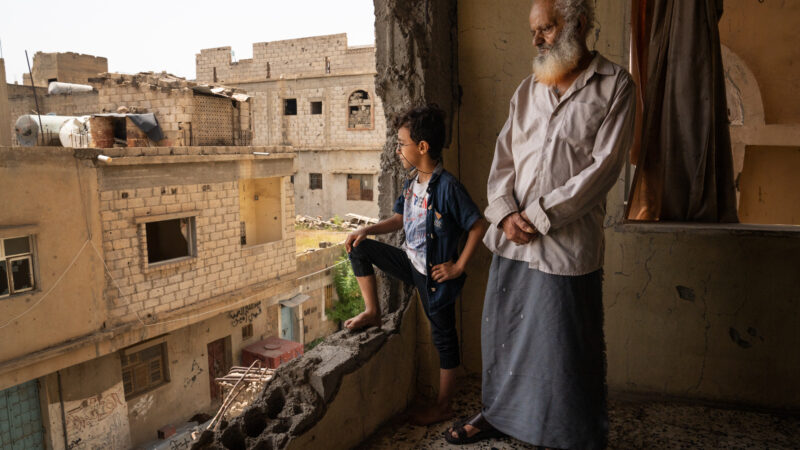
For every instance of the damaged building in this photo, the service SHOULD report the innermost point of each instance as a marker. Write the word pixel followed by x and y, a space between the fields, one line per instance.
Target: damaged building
pixel 136 271
pixel 700 318
pixel 316 95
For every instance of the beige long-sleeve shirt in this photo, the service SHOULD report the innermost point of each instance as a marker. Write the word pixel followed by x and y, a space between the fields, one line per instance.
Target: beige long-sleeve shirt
pixel 556 159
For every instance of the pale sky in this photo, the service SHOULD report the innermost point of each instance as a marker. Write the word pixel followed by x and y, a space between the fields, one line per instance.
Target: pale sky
pixel 149 35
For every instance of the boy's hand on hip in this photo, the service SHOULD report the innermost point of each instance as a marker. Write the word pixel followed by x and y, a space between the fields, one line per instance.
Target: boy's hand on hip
pixel 446 271
pixel 353 239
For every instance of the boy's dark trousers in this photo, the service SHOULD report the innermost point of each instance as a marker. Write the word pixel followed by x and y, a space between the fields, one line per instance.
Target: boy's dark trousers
pixel 394 261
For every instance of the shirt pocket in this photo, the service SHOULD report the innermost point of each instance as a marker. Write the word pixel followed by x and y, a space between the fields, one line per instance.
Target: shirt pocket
pixel 580 124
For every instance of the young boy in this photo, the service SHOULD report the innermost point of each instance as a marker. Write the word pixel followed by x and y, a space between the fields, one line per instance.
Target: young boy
pixel 434 210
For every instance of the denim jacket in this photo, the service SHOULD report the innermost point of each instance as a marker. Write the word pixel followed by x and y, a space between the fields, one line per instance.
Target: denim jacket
pixel 451 213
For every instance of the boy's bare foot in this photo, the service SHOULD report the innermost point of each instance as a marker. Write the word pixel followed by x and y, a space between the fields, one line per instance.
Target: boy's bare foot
pixel 431 415
pixel 363 320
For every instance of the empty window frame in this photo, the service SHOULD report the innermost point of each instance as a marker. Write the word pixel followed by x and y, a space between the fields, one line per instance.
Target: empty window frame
pixel 315 181
pixel 290 107
pixel 261 209
pixel 359 187
pixel 359 111
pixel 316 108
pixel 170 239
pixel 144 369
pixel 16 265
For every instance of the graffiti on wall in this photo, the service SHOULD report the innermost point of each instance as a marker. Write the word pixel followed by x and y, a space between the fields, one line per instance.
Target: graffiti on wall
pixel 93 410
pixel 195 372
pixel 245 314
pixel 99 421
pixel 143 405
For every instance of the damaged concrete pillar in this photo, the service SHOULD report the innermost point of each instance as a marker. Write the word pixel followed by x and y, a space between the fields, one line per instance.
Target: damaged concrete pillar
pixel 416 63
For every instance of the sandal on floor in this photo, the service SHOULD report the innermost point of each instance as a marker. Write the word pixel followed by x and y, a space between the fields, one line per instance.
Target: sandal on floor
pixel 485 431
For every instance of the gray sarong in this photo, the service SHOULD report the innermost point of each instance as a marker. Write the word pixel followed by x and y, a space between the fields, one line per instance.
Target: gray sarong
pixel 544 366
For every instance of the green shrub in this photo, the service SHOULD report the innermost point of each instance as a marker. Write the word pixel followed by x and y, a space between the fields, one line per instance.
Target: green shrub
pixel 336 220
pixel 350 303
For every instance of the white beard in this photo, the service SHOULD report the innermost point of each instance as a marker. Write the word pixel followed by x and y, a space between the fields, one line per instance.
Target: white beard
pixel 562 58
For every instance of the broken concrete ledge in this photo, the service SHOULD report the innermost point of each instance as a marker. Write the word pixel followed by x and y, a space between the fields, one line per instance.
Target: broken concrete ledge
pixel 334 396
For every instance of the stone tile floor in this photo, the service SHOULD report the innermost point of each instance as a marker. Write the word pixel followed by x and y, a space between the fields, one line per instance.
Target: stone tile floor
pixel 635 423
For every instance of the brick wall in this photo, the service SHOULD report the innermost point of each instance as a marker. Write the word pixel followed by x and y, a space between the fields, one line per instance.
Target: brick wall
pixel 68 67
pixel 329 129
pixel 221 264
pixel 318 55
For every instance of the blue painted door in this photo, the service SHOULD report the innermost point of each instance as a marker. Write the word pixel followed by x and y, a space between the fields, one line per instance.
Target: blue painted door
pixel 21 418
pixel 287 323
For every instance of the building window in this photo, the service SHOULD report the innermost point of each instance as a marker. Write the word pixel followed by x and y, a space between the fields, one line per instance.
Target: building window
pixel 329 296
pixel 261 210
pixel 144 369
pixel 247 331
pixel 359 111
pixel 170 239
pixel 359 187
pixel 315 181
pixel 327 65
pixel 290 107
pixel 316 108
pixel 16 266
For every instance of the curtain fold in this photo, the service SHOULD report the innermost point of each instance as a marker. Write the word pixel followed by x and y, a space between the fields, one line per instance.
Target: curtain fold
pixel 684 163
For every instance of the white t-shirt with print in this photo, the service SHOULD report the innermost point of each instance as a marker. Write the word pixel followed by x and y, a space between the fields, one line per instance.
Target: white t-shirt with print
pixel 414 214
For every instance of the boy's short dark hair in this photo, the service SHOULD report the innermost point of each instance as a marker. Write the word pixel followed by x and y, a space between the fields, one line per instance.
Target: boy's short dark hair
pixel 425 123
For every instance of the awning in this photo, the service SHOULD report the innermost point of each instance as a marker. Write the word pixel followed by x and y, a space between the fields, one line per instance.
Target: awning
pixel 295 301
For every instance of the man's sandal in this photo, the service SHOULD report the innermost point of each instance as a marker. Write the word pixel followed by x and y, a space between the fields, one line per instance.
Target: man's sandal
pixel 485 431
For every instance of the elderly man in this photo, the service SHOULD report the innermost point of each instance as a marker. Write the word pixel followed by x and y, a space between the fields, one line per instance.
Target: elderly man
pixel 569 128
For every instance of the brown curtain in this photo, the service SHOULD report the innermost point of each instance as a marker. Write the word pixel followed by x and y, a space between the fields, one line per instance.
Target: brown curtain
pixel 683 156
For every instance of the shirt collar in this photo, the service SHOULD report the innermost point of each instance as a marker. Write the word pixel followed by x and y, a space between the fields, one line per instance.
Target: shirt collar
pixel 599 65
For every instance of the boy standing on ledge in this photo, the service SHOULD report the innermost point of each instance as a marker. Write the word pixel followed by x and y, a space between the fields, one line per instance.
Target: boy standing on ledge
pixel 434 210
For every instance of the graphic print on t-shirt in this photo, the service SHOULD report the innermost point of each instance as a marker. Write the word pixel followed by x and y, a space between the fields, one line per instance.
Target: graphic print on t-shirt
pixel 414 211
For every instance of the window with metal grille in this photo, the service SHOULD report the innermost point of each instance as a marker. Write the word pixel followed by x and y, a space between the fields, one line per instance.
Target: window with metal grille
pixel 16 266
pixel 315 181
pixel 290 107
pixel 143 370
pixel 359 187
pixel 329 296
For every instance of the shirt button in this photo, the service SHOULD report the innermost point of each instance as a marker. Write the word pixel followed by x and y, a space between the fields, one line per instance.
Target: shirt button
pixel 510 372
pixel 487 319
pixel 502 345
pixel 522 316
pixel 549 139
pixel 504 289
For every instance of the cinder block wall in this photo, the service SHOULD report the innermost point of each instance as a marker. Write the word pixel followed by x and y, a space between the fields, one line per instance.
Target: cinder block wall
pixel 293 57
pixel 221 264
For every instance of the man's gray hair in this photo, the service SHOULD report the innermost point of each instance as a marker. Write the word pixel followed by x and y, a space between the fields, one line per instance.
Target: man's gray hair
pixel 572 10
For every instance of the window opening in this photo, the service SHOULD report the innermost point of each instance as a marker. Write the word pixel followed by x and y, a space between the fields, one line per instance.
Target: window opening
pixel 316 107
pixel 16 266
pixel 359 111
pixel 170 239
pixel 359 187
pixel 290 107
pixel 144 370
pixel 315 181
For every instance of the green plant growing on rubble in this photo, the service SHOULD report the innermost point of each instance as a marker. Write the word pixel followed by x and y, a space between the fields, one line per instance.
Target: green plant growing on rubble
pixel 336 220
pixel 350 303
